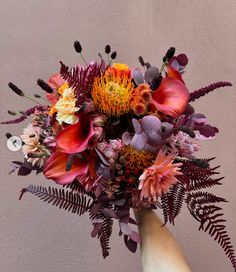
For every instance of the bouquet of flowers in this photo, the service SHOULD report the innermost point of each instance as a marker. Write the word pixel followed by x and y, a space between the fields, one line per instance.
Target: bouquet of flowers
pixel 117 138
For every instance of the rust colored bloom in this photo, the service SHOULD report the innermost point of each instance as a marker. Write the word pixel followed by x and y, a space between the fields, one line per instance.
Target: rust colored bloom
pixel 140 99
pixel 172 73
pixel 55 168
pixel 112 91
pixel 158 178
pixel 75 138
pixel 171 98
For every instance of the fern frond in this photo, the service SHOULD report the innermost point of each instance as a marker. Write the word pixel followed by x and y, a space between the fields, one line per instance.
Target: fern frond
pixel 201 198
pixel 197 174
pixel 81 79
pixel 203 183
pixel 104 232
pixel 165 207
pixel 76 186
pixel 172 202
pixel 201 206
pixel 69 201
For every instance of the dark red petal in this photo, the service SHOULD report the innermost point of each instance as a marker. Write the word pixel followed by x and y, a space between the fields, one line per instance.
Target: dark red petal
pixel 55 168
pixel 171 98
pixel 75 138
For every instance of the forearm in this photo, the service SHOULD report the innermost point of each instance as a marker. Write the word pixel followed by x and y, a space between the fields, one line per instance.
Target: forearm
pixel 159 250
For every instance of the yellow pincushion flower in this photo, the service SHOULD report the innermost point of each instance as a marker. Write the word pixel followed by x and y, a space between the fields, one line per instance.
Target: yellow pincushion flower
pixel 66 107
pixel 112 91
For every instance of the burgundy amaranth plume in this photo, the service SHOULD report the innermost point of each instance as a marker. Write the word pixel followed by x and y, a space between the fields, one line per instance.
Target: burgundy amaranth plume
pixel 210 88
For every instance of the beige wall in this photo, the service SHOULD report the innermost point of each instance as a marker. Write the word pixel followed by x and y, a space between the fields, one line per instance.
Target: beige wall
pixel 34 36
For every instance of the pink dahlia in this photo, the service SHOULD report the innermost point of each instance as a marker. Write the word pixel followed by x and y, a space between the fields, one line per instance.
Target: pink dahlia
pixel 158 178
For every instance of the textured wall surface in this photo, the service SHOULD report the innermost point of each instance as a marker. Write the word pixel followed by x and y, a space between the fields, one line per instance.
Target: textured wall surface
pixel 34 36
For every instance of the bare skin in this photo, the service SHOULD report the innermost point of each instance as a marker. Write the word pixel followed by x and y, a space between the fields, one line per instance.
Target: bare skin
pixel 160 251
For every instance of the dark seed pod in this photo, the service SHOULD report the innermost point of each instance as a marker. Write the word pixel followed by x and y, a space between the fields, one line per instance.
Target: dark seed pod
pixel 113 55
pixel 107 49
pixel 78 47
pixel 140 58
pixel 15 89
pixel 8 135
pixel 100 56
pixel 11 112
pixel 37 95
pixel 169 54
pixel 44 86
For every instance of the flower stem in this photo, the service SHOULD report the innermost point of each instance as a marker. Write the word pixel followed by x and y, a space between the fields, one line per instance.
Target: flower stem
pixel 30 98
pixel 162 67
pixel 83 59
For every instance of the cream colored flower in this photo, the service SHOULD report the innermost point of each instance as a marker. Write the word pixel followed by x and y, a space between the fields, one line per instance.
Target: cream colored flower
pixel 66 107
pixel 32 145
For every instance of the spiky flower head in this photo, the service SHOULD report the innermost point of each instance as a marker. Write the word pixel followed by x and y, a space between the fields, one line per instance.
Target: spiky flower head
pixel 158 178
pixel 112 91
pixel 32 145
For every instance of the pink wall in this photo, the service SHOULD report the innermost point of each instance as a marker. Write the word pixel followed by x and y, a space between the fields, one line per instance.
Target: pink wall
pixel 35 36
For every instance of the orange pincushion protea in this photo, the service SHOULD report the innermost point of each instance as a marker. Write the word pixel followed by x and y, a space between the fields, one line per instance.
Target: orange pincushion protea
pixel 112 91
pixel 158 178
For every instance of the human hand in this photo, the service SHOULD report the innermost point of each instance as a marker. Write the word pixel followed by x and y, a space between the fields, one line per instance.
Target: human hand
pixel 160 251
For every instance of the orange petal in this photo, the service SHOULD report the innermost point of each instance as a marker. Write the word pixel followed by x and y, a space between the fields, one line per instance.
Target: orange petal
pixel 52 110
pixel 172 73
pixel 75 138
pixel 55 168
pixel 171 98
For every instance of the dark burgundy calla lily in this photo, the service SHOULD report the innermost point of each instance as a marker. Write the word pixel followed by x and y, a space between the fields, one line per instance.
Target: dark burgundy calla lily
pixel 56 164
pixel 75 138
pixel 171 98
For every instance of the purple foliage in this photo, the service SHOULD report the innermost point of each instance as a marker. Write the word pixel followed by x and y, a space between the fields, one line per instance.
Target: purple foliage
pixel 24 115
pixel 150 133
pixel 197 122
pixel 81 78
pixel 205 90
